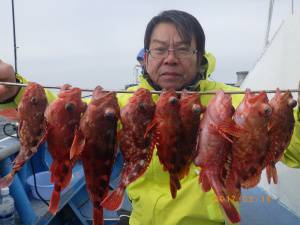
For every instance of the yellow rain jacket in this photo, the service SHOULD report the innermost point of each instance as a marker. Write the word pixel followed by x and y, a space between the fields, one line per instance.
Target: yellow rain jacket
pixel 150 194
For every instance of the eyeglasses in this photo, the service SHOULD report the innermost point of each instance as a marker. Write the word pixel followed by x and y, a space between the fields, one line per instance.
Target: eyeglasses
pixel 180 53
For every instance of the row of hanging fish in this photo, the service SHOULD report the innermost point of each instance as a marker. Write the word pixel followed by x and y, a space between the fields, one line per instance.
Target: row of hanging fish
pixel 234 146
pixel 231 147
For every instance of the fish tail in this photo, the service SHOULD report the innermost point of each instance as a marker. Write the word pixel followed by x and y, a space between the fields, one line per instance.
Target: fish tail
pixel 114 200
pixel 7 180
pixel 55 198
pixel 229 209
pixel 271 174
pixel 53 169
pixel 68 175
pixel 98 216
pixel 18 164
pixel 174 185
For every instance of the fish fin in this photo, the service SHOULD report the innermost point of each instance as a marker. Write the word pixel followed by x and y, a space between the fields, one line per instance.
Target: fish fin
pixel 44 136
pixel 19 161
pixel 114 200
pixel 174 185
pixel 54 201
pixel 204 181
pixel 9 113
pixel 151 133
pixel 7 180
pixel 98 216
pixel 220 129
pixel 229 128
pixel 77 145
pixel 229 209
pixel 150 128
pixel 252 181
pixel 271 173
pixel 233 186
pixel 184 170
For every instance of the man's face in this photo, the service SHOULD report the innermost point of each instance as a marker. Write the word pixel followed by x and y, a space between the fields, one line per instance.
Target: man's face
pixel 170 71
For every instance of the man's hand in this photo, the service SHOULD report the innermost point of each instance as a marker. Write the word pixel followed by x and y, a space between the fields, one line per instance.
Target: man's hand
pixel 7 74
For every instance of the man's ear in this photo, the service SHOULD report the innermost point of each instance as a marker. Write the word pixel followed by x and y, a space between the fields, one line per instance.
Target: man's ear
pixel 146 57
pixel 202 60
pixel 202 64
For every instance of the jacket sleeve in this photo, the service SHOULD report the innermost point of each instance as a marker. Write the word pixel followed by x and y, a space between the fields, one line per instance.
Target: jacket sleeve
pixel 291 155
pixel 14 104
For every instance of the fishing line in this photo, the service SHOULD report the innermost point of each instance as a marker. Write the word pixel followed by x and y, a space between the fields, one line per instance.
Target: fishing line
pixel 35 185
pixel 14 34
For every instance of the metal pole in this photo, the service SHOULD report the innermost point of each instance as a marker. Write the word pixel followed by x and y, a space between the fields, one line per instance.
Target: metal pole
pixel 292 7
pixel 14 33
pixel 269 22
pixel 157 92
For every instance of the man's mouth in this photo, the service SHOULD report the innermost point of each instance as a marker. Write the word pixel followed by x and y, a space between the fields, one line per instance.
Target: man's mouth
pixel 170 74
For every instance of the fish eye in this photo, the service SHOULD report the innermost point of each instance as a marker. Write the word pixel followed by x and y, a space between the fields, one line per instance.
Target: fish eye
pixel 34 100
pixel 70 107
pixel 109 114
pixel 267 110
pixel 142 106
pixel 173 100
pixel 292 103
pixel 196 109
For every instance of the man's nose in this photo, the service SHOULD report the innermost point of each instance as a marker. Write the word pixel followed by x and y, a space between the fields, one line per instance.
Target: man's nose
pixel 171 57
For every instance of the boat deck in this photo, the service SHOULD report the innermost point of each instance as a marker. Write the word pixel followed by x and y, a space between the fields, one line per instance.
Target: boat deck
pixel 258 208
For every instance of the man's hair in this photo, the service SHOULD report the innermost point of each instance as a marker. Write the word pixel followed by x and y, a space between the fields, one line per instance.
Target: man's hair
pixel 186 25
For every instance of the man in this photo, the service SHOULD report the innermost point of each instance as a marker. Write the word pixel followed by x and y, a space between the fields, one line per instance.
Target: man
pixel 174 58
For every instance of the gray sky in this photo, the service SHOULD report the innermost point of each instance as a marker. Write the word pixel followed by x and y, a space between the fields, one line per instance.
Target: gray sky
pixel 85 43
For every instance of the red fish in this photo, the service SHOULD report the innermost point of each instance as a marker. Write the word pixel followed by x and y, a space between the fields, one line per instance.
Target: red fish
pixel 95 144
pixel 166 129
pixel 281 127
pixel 190 110
pixel 62 117
pixel 213 148
pixel 32 129
pixel 135 148
pixel 250 146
